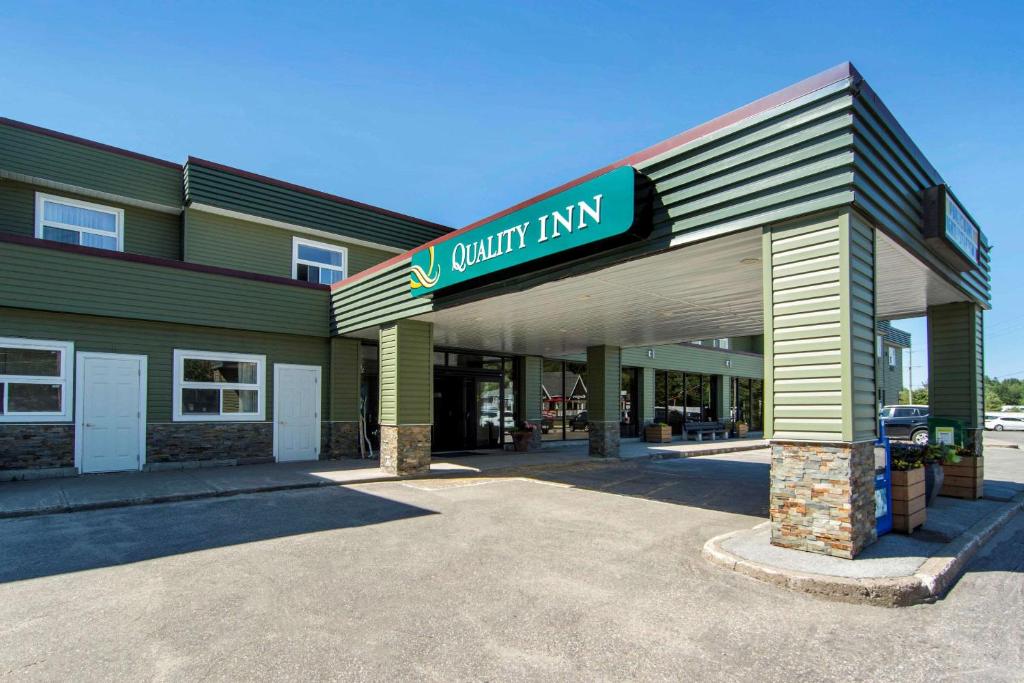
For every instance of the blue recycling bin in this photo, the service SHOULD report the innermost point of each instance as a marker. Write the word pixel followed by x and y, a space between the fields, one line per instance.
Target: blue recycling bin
pixel 883 483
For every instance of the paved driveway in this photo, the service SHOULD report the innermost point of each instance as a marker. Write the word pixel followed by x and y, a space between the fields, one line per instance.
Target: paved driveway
pixel 587 572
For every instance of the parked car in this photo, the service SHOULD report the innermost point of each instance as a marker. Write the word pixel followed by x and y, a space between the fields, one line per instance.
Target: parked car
pixel 1007 422
pixel 906 422
pixel 578 422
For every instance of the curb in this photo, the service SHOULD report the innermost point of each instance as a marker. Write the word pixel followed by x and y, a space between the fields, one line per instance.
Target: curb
pixel 935 576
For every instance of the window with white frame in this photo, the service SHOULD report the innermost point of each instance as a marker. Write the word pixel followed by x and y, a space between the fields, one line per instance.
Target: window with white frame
pixel 892 357
pixel 214 386
pixel 71 221
pixel 318 262
pixel 35 380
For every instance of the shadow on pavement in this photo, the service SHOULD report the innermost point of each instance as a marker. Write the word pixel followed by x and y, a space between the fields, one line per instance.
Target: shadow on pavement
pixel 33 547
pixel 721 483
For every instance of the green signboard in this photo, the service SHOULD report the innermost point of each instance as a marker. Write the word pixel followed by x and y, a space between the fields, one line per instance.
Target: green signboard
pixel 600 208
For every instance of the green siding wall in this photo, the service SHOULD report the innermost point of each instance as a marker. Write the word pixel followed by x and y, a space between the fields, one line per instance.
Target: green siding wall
pixel 646 394
pixel 890 175
pixel 529 388
pixel 407 373
pixel 373 300
pixel 146 232
pixel 227 242
pixel 819 313
pixel 345 379
pixel 99 285
pixel 956 363
pixel 604 382
pixel 235 192
pixel 32 154
pixel 158 340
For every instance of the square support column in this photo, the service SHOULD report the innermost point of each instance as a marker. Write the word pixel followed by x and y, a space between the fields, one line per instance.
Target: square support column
pixel 406 396
pixel 956 367
pixel 724 406
pixel 819 286
pixel 340 434
pixel 604 386
pixel 647 412
pixel 529 395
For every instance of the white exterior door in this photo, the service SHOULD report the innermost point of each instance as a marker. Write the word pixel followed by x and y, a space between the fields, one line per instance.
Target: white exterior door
pixel 296 412
pixel 110 412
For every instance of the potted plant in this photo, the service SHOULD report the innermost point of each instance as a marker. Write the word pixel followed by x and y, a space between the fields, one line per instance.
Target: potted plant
pixel 936 456
pixel 742 428
pixel 908 492
pixel 522 436
pixel 658 432
pixel 964 478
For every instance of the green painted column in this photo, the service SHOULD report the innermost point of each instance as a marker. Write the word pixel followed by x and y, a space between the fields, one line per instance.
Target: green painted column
pixel 724 397
pixel 406 396
pixel 956 367
pixel 646 397
pixel 341 431
pixel 819 312
pixel 529 394
pixel 604 382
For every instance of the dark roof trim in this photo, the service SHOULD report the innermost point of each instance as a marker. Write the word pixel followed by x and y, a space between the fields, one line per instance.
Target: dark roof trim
pixel 153 261
pixel 314 193
pixel 795 91
pixel 87 143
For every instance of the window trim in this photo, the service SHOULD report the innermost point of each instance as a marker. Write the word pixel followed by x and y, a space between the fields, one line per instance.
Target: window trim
pixel 178 415
pixel 42 197
pixel 302 241
pixel 65 379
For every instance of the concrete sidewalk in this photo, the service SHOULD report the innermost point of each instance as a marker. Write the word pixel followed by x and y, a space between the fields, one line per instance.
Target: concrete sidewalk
pixel 96 491
pixel 897 570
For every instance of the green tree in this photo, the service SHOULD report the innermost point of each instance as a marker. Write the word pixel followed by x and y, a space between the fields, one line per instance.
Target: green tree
pixel 919 397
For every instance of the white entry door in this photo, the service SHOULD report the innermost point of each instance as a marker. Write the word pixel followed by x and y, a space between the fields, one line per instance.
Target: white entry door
pixel 296 412
pixel 110 412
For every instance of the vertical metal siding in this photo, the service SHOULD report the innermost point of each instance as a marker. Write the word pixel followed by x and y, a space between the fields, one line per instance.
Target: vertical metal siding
pixel 956 364
pixel 406 373
pixel 344 379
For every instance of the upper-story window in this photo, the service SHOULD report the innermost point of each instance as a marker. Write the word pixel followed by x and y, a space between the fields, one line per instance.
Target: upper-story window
pixel 892 357
pixel 317 262
pixel 76 222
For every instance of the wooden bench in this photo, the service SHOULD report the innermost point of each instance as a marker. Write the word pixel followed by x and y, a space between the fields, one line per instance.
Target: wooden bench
pixel 698 430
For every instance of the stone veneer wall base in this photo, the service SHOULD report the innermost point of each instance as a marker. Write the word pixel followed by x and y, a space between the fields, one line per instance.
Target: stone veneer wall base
pixel 823 496
pixel 405 449
pixel 37 446
pixel 604 439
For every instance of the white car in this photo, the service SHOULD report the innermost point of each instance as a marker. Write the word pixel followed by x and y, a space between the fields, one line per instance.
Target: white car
pixel 1001 422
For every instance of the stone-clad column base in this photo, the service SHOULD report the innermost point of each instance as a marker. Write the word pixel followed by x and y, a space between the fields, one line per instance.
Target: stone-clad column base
pixel 405 449
pixel 604 439
pixel 823 496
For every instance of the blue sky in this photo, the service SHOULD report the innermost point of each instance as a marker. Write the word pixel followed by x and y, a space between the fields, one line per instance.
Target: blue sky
pixel 451 111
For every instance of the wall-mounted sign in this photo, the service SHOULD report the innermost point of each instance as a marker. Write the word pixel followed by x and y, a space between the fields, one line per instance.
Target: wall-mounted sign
pixel 592 211
pixel 949 229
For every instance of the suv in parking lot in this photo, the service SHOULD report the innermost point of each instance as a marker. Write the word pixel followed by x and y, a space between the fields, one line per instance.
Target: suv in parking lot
pixel 906 422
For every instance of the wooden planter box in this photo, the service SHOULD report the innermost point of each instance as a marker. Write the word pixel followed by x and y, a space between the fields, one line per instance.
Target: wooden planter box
pixel 908 500
pixel 966 479
pixel 658 433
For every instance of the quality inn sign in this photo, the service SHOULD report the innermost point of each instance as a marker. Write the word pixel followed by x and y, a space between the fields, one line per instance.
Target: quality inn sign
pixel 592 211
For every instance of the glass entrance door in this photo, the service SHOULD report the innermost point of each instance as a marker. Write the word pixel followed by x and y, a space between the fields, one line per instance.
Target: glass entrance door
pixel 467 411
pixel 488 413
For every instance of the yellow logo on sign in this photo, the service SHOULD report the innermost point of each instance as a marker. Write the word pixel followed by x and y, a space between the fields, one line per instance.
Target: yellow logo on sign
pixel 418 278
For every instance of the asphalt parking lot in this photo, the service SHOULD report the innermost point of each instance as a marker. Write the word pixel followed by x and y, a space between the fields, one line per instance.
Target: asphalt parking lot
pixel 590 571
